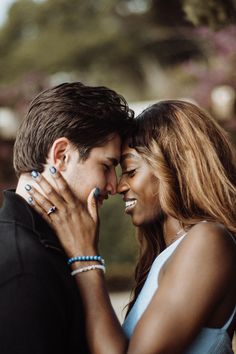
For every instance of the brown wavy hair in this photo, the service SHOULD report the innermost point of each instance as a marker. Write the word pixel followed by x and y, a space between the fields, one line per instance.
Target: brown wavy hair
pixel 86 115
pixel 195 164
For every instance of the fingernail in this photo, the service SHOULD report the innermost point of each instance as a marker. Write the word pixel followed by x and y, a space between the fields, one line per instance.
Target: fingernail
pixel 53 170
pixel 35 174
pixel 97 192
pixel 28 187
pixel 30 200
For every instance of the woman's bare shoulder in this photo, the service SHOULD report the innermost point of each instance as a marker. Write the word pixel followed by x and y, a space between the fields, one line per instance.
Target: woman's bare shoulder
pixel 204 259
pixel 211 235
pixel 209 242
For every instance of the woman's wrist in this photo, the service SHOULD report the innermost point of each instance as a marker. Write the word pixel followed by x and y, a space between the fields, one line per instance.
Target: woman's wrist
pixel 81 251
pixel 86 261
pixel 88 268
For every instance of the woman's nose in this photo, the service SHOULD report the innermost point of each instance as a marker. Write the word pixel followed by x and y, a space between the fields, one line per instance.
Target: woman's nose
pixel 122 186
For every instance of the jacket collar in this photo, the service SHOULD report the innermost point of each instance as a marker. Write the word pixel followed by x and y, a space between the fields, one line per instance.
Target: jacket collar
pixel 16 209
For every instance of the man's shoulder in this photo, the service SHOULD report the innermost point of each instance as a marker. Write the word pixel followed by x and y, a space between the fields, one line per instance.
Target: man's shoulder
pixel 21 252
pixel 14 237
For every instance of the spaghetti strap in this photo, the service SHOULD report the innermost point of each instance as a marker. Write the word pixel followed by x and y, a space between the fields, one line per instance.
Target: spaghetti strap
pixel 227 324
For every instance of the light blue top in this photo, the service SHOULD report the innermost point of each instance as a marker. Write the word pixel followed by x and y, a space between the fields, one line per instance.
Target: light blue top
pixel 208 341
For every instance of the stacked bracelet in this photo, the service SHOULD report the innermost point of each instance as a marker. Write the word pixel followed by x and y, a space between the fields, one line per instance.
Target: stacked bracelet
pixel 86 259
pixel 86 269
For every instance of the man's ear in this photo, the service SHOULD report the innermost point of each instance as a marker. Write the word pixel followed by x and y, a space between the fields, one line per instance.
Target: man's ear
pixel 60 153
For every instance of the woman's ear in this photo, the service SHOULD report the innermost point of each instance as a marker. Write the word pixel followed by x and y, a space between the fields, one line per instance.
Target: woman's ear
pixel 59 154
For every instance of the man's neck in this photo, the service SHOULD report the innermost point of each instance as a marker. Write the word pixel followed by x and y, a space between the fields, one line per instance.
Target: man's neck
pixel 20 188
pixel 25 179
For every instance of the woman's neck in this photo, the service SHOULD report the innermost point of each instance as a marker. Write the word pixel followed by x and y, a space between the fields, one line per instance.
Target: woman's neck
pixel 172 230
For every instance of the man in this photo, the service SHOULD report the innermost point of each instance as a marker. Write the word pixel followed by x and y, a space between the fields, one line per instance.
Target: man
pixel 78 129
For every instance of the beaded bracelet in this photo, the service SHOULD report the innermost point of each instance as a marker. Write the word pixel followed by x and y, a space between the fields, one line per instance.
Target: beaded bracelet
pixel 85 259
pixel 86 269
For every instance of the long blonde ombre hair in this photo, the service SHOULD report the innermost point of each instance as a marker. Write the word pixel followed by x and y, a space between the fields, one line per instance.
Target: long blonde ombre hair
pixel 195 164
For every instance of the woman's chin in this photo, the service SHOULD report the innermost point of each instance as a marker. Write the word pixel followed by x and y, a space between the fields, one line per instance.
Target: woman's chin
pixel 137 221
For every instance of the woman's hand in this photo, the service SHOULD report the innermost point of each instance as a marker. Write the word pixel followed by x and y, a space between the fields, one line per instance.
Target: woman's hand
pixel 77 228
pixel 75 224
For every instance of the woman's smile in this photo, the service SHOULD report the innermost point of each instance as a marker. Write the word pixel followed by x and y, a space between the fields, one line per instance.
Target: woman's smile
pixel 129 205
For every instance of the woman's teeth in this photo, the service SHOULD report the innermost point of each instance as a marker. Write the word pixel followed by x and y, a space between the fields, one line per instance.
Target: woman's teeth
pixel 130 203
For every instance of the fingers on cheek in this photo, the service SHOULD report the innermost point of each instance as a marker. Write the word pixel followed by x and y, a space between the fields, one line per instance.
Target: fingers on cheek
pixel 65 191
pixel 40 211
pixel 56 219
pixel 37 207
pixel 40 200
pixel 39 204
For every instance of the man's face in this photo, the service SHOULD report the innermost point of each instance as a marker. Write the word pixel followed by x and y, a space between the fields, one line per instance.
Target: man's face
pixel 98 170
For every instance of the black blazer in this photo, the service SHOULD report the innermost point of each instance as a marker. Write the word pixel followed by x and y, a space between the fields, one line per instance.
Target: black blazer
pixel 40 306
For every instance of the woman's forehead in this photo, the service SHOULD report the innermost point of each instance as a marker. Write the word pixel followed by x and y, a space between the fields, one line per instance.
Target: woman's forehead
pixel 128 153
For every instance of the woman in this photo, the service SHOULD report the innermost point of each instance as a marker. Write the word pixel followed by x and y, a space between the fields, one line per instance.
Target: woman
pixel 179 186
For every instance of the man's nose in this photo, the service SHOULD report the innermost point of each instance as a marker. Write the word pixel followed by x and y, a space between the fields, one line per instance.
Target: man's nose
pixel 112 184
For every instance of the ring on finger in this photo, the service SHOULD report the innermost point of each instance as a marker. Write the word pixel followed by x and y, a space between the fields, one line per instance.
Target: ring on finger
pixel 51 210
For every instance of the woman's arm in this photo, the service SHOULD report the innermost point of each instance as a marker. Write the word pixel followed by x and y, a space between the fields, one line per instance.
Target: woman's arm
pixel 193 284
pixel 105 335
pixel 76 226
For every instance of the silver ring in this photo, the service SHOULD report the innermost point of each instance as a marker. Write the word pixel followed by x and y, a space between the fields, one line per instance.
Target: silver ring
pixel 51 210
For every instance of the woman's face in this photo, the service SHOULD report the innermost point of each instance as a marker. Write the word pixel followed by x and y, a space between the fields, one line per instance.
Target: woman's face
pixel 139 187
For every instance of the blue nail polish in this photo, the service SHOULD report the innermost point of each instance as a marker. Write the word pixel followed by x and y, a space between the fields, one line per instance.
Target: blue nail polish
pixel 97 192
pixel 35 174
pixel 28 187
pixel 30 200
pixel 53 170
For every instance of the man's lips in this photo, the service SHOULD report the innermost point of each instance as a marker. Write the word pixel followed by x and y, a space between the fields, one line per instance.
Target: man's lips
pixel 101 198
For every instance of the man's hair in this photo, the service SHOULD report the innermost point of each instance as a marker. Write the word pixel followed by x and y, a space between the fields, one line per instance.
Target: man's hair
pixel 85 115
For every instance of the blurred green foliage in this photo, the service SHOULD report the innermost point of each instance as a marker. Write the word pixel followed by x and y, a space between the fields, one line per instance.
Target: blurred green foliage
pixel 118 244
pixel 213 13
pixel 110 42
pixel 106 40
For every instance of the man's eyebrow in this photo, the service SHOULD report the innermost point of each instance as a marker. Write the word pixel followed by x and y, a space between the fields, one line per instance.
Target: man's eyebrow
pixel 113 160
pixel 129 155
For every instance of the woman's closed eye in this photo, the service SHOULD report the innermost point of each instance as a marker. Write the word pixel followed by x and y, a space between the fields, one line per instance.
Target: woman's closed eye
pixel 129 173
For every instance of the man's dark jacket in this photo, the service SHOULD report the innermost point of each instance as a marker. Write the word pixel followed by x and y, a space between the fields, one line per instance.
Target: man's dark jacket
pixel 40 305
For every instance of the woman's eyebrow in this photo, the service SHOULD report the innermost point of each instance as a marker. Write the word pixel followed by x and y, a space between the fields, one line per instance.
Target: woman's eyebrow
pixel 129 155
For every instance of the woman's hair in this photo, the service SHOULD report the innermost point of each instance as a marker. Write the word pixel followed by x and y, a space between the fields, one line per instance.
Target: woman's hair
pixel 195 165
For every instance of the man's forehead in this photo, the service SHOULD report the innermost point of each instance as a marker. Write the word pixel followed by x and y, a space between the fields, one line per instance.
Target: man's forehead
pixel 110 150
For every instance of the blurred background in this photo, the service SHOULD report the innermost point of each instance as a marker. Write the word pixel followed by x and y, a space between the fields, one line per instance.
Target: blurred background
pixel 145 49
